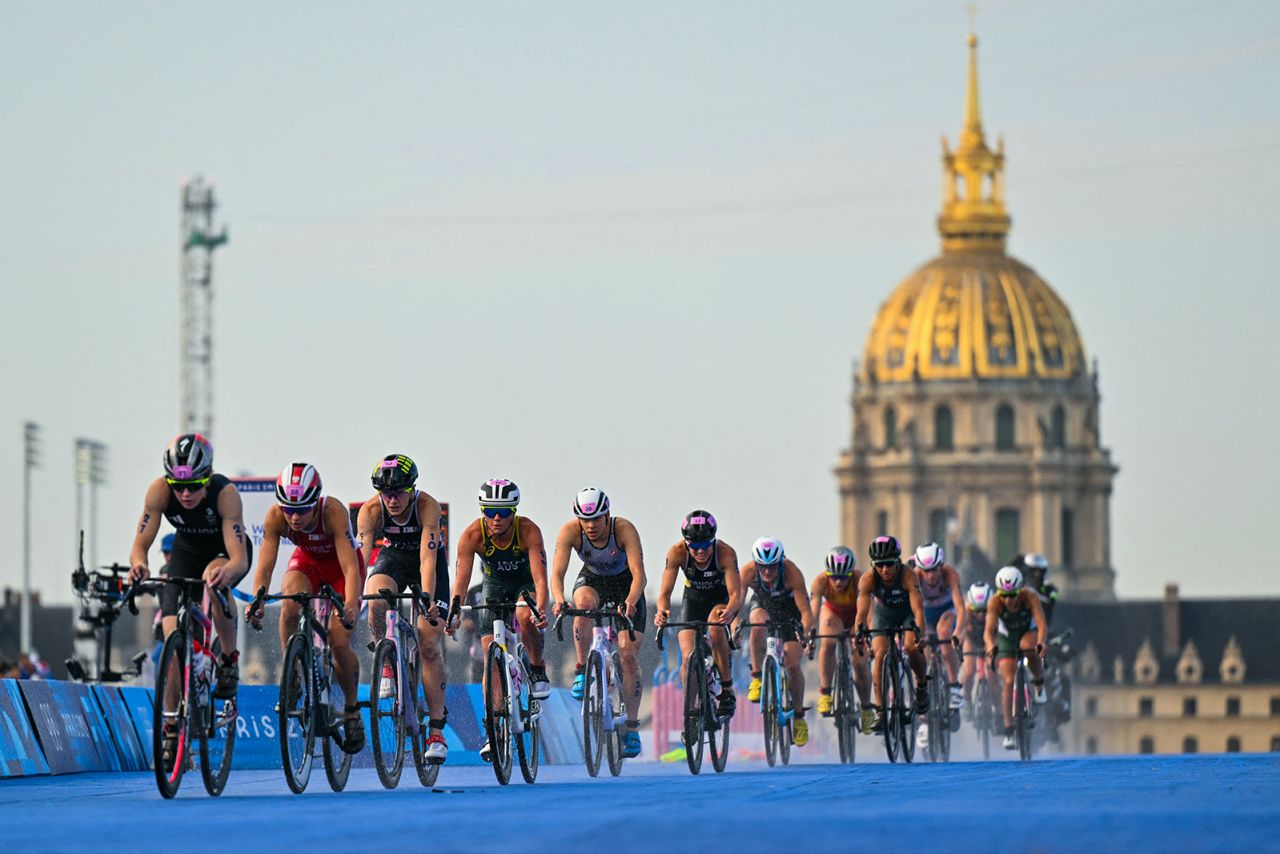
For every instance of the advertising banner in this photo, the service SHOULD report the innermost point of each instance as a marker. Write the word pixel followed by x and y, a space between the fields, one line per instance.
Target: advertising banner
pixel 120 724
pixel 20 754
pixel 67 736
pixel 257 494
pixel 137 702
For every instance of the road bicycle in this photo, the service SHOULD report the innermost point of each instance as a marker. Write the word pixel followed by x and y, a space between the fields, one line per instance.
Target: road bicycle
pixel 703 684
pixel 985 713
pixel 775 693
pixel 603 708
pixel 897 696
pixel 938 719
pixel 846 709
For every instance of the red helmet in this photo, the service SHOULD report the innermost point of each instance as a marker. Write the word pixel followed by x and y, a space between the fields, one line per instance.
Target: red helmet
pixel 298 485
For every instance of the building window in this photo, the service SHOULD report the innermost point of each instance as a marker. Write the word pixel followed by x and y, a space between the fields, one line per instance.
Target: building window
pixel 1068 537
pixel 1275 744
pixel 1004 427
pixel 882 523
pixel 1091 707
pixel 943 434
pixel 1233 707
pixel 938 526
pixel 1146 744
pixel 1190 745
pixel 1146 707
pixel 1058 429
pixel 1007 539
pixel 890 427
pixel 1188 707
pixel 1275 707
pixel 1091 745
pixel 1233 744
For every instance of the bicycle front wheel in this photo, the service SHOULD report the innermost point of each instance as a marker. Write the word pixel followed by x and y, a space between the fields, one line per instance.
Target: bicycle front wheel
pixel 786 713
pixel 337 762
pixel 593 701
pixel 718 738
pixel 695 704
pixel 907 717
pixel 529 742
pixel 386 713
pixel 497 713
pixel 427 771
pixel 218 734
pixel 1022 712
pixel 769 708
pixel 983 715
pixel 889 704
pixel 617 714
pixel 846 713
pixel 297 715
pixel 170 720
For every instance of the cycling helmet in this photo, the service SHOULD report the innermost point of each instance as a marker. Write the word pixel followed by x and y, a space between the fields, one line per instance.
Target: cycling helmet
pixel 885 549
pixel 298 485
pixel 1035 560
pixel 166 544
pixel 1008 581
pixel 767 551
pixel 395 471
pixel 189 457
pixel 840 562
pixel 499 493
pixel 977 596
pixel 698 526
pixel 591 503
pixel 929 556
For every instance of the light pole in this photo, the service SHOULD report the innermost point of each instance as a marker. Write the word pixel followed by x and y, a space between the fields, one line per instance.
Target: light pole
pixel 31 460
pixel 91 471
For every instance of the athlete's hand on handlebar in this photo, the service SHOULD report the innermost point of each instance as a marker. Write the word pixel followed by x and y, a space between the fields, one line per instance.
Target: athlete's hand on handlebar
pixel 217 577
pixel 629 608
pixel 139 572
pixel 350 612
pixel 558 607
pixel 660 618
pixel 543 614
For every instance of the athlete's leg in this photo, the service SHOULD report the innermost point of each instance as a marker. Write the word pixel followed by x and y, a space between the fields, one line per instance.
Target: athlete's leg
pixel 828 624
pixel 686 638
pixel 861 671
pixel 879 649
pixel 433 677
pixel 530 635
pixel 632 687
pixel 967 669
pixel 947 628
pixel 225 625
pixel 720 647
pixel 293 583
pixel 791 651
pixel 584 598
pixel 1028 646
pixel 376 583
pixel 1008 664
pixel 915 658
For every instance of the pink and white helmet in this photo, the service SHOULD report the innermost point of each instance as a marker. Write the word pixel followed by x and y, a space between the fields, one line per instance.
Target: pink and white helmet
pixel 1008 581
pixel 591 503
pixel 978 596
pixel 298 485
pixel 767 551
pixel 929 556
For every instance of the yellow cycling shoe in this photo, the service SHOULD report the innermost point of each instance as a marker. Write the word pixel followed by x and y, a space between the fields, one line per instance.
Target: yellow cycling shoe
pixel 753 690
pixel 824 705
pixel 800 731
pixel 868 718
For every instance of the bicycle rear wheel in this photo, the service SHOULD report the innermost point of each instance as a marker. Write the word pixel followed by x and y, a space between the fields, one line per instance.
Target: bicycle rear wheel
pixel 337 762
pixel 787 710
pixel 529 742
pixel 1022 713
pixel 173 676
pixel 942 747
pixel 889 687
pixel 386 714
pixel 718 738
pixel 297 715
pixel 769 709
pixel 593 700
pixel 846 713
pixel 983 715
pixel 695 700
pixel 617 714
pixel 907 717
pixel 497 713
pixel 218 734
pixel 427 772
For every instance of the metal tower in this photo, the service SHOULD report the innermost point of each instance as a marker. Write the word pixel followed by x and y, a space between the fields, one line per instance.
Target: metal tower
pixel 198 242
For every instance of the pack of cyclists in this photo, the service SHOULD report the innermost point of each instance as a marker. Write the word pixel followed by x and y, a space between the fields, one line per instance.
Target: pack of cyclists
pixel 397 545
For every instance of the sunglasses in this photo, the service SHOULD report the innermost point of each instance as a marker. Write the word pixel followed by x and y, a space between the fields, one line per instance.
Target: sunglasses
pixel 187 485
pixel 497 512
pixel 701 545
pixel 393 491
pixel 881 564
pixel 1008 593
pixel 297 511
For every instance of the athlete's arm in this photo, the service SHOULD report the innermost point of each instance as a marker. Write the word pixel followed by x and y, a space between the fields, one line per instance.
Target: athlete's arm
pixel 795 580
pixel 368 524
pixel 337 521
pixel 815 593
pixel 629 541
pixel 993 622
pixel 917 602
pixel 747 577
pixel 429 517
pixel 148 526
pixel 865 585
pixel 729 563
pixel 231 509
pixel 962 613
pixel 531 536
pixel 468 544
pixel 670 571
pixel 566 540
pixel 272 528
pixel 1042 625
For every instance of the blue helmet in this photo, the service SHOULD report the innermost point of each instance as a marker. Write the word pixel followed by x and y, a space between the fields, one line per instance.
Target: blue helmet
pixel 166 544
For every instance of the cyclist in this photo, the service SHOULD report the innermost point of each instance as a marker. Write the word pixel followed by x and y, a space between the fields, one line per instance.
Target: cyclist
pixel 319 527
pixel 897 603
pixel 612 571
pixel 711 592
pixel 1011 617
pixel 944 612
pixel 1034 568
pixel 209 540
pixel 514 561
pixel 778 594
pixel 837 589
pixel 409 522
pixel 975 599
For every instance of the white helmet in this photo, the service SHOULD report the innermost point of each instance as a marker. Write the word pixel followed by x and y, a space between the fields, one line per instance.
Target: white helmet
pixel 977 596
pixel 591 503
pixel 767 551
pixel 1008 581
pixel 298 485
pixel 1035 560
pixel 499 493
pixel 929 556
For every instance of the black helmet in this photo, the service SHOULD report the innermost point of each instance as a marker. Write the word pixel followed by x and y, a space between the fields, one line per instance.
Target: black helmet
pixel 885 549
pixel 698 526
pixel 188 457
pixel 395 471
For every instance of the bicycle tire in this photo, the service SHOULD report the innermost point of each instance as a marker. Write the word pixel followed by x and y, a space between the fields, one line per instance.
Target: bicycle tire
pixel 983 715
pixel 529 742
pixel 618 712
pixel 219 720
pixel 386 715
pixel 695 699
pixel 907 717
pixel 428 772
pixel 943 752
pixel 497 713
pixel 769 708
pixel 889 705
pixel 718 738
pixel 1021 713
pixel 337 762
pixel 173 667
pixel 296 719
pixel 846 711
pixel 593 733
pixel 785 705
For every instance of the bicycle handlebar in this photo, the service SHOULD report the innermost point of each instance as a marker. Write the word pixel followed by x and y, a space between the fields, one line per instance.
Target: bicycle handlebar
pixel 326 593
pixel 694 624
pixel 594 614
pixel 155 585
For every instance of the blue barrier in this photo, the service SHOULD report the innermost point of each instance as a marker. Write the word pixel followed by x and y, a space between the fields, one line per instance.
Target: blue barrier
pixel 68 739
pixel 120 725
pixel 20 754
pixel 137 702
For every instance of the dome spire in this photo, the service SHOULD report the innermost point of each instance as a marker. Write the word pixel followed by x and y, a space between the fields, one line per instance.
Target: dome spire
pixel 973 215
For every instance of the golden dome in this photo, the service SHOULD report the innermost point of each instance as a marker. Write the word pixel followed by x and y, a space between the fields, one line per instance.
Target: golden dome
pixel 973 312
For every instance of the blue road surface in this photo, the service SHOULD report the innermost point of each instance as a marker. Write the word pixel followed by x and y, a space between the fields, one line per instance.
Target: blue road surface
pixel 1150 803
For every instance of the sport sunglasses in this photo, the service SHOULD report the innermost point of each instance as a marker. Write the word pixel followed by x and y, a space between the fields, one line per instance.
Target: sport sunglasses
pixel 498 512
pixel 187 485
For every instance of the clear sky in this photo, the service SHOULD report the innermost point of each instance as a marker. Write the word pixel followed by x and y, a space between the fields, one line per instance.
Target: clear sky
pixel 634 246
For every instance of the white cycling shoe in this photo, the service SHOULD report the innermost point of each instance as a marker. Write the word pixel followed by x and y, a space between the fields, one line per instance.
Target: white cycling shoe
pixel 486 752
pixel 437 750
pixel 1040 696
pixel 957 697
